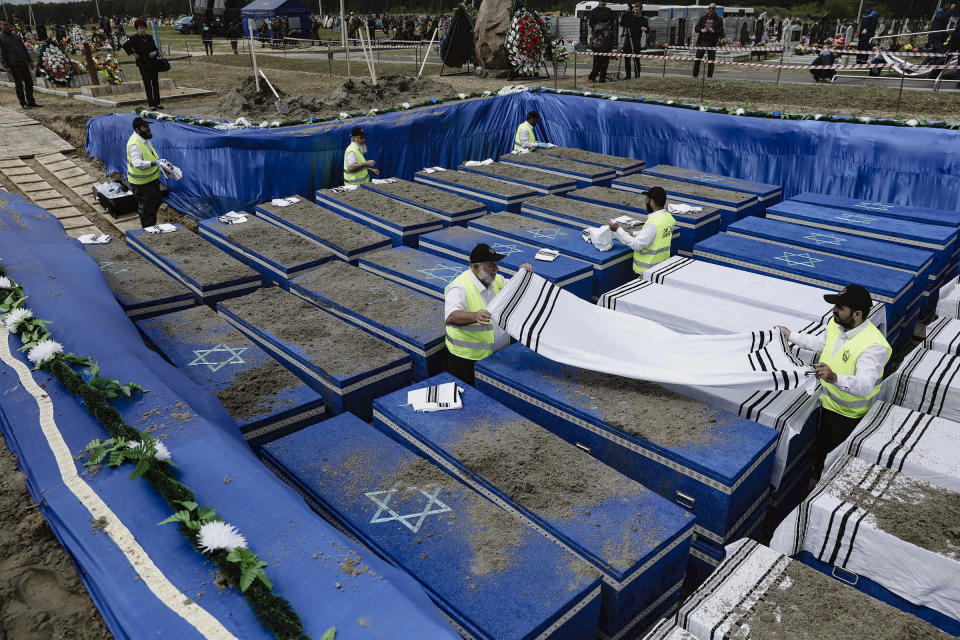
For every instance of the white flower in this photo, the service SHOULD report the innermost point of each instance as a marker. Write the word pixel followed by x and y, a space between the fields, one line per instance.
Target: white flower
pixel 612 98
pixel 739 111
pixel 405 105
pixel 865 119
pixel 44 351
pixel 486 93
pixel 264 124
pixel 669 101
pixel 5 283
pixel 219 535
pixel 344 115
pixel 372 112
pixel 462 96
pixel 15 317
pixel 912 123
pixel 243 122
pixel 817 116
pixel 588 93
pixel 702 108
pixel 162 452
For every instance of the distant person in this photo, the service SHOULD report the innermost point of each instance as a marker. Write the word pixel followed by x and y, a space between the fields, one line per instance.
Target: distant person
pixel 143 172
pixel 143 48
pixel 953 44
pixel 603 30
pixel 939 23
pixel 652 244
pixel 263 32
pixel 235 32
pixel 17 62
pixel 356 168
pixel 525 138
pixel 206 36
pixel 827 58
pixel 868 29
pixel 710 32
pixel 471 334
pixel 635 27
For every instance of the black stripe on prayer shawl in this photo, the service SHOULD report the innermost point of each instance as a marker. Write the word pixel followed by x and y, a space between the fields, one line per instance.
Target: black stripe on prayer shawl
pixel 841 506
pixel 933 331
pixel 891 476
pixel 954 344
pixel 715 581
pixel 916 441
pixel 788 349
pixel 511 305
pixel 868 428
pixel 800 529
pixel 792 410
pixel 546 319
pixel 906 370
pixel 751 408
pixel 536 309
pixel 898 439
pixel 610 298
pixel 955 365
pixel 546 310
pixel 940 389
pixel 660 275
pixel 432 394
pixel 851 511
pixel 739 606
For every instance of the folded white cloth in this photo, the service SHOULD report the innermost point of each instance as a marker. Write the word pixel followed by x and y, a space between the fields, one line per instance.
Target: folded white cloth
pixel 284 202
pixel 94 238
pixel 627 221
pixel 161 228
pixel 518 152
pixel 168 170
pixel 344 189
pixel 547 255
pixel 383 180
pixel 233 217
pixel 600 237
pixel 562 327
pixel 478 163
pixel 440 397
pixel 433 169
pixel 679 207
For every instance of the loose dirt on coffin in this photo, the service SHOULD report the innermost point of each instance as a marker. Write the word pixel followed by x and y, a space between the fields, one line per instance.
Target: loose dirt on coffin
pixel 196 258
pixel 350 96
pixel 385 208
pixel 430 197
pixel 511 221
pixel 131 275
pixel 687 188
pixel 273 243
pixel 480 183
pixel 323 223
pixel 532 176
pixel 253 391
pixel 584 210
pixel 536 159
pixel 580 155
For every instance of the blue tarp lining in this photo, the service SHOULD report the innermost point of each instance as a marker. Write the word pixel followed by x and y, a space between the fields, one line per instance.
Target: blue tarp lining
pixel 235 169
pixel 65 286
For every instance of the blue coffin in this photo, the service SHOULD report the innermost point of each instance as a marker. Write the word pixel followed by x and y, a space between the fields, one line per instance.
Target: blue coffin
pixel 585 175
pixel 276 254
pixel 909 212
pixel 637 540
pixel 264 399
pixel 425 272
pixel 406 319
pixel 397 220
pixel 457 243
pixel 622 166
pixel 768 194
pixel 346 238
pixel 892 287
pixel 919 262
pixel 452 209
pixel 706 556
pixel 442 533
pixel 232 279
pixel 610 268
pixel 732 204
pixel 693 227
pixel 720 472
pixel 542 183
pixel 937 238
pixel 142 289
pixel 497 195
pixel 344 383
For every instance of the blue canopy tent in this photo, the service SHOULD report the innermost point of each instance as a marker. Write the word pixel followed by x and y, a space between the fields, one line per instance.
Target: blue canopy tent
pixel 296 13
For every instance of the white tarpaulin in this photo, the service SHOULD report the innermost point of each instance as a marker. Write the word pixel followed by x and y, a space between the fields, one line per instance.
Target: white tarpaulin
pixel 927 381
pixel 836 524
pixel 924 446
pixel 943 335
pixel 564 328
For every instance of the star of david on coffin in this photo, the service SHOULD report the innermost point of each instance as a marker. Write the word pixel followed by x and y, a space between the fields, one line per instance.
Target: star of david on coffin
pixel 441 272
pixel 218 357
pixel 546 233
pixel 708 178
pixel 799 259
pixel 506 249
pixel 855 218
pixel 874 206
pixel 104 265
pixel 824 238
pixel 413 520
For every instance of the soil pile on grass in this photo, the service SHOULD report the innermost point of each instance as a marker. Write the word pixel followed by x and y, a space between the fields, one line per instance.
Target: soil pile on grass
pixel 390 91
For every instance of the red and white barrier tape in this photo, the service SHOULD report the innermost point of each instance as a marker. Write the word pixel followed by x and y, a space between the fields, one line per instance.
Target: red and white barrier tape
pixel 731 49
pixel 754 65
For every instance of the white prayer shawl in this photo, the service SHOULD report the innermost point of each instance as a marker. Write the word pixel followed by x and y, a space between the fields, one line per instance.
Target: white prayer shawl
pixel 948 303
pixel 667 629
pixel 845 535
pixel 438 397
pixel 564 328
pixel 943 335
pixel 926 381
pixel 924 446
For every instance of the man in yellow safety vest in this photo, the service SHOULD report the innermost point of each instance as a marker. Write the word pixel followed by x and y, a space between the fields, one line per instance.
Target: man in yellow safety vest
pixel 471 335
pixel 853 354
pixel 652 244
pixel 143 172
pixel 525 138
pixel 356 168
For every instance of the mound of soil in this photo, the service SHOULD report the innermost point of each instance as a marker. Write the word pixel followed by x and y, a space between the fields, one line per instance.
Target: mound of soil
pixel 560 164
pixel 390 91
pixel 589 156
pixel 429 197
pixel 483 183
pixel 688 188
pixel 584 210
pixel 508 172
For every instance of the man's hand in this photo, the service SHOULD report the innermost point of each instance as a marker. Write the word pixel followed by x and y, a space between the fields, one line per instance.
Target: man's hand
pixel 784 331
pixel 153 54
pixel 643 28
pixel 526 266
pixel 825 373
pixel 614 226
pixel 482 316
pixel 8 70
pixel 374 172
pixel 370 163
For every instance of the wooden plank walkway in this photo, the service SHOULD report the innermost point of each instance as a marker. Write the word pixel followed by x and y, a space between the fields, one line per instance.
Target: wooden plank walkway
pixel 22 136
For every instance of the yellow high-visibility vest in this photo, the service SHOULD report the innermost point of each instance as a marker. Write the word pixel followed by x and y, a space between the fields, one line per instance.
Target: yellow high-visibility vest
pixel 660 249
pixel 844 363
pixel 149 154
pixel 357 177
pixel 471 341
pixel 524 128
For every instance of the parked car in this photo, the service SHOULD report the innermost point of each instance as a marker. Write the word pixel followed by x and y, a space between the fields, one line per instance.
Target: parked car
pixel 184 24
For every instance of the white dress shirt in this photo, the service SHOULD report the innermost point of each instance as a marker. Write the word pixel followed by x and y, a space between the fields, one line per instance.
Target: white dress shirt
pixel 527 139
pixel 648 233
pixel 869 365
pixel 136 157
pixel 352 158
pixel 456 300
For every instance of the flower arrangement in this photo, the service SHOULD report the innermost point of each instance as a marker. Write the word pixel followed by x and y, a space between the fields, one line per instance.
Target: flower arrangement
pixel 558 51
pixel 108 69
pixel 54 64
pixel 524 43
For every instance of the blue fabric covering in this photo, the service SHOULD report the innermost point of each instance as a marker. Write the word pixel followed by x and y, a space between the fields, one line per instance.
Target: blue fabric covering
pixel 425 272
pixel 64 286
pixel 226 170
pixel 950 218
pixel 270 9
pixel 767 193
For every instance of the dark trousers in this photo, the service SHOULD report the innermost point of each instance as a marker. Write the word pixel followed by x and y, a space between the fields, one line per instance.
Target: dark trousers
pixel 834 429
pixel 631 62
pixel 863 44
pixel 208 47
pixel 24 82
pixel 151 86
pixel 460 368
pixel 233 45
pixel 711 55
pixel 599 70
pixel 148 201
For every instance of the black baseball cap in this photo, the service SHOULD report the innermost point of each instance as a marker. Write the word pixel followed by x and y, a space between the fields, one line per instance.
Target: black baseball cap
pixel 358 133
pixel 657 194
pixel 853 296
pixel 483 253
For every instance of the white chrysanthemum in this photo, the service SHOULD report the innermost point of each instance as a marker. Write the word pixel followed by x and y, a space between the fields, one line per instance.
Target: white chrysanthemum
pixel 220 535
pixel 817 116
pixel 865 119
pixel 405 105
pixel 344 115
pixel 44 351
pixel 243 122
pixel 912 123
pixel 372 112
pixel 614 98
pixel 739 112
pixel 486 93
pixel 462 96
pixel 669 101
pixel 15 317
pixel 5 283
pixel 702 108
pixel 162 452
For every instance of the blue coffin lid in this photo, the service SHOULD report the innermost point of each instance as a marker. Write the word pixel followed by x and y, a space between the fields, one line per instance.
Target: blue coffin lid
pixel 489 187
pixel 722 196
pixel 608 197
pixel 418 269
pixel 887 209
pixel 349 468
pixel 123 268
pixel 228 233
pixel 760 189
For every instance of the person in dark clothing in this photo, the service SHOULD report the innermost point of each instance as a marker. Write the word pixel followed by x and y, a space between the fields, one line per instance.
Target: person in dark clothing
pixel 825 59
pixel 939 23
pixel 635 26
pixel 603 35
pixel 144 50
pixel 953 44
pixel 263 32
pixel 868 29
pixel 710 32
pixel 206 36
pixel 16 61
pixel 235 32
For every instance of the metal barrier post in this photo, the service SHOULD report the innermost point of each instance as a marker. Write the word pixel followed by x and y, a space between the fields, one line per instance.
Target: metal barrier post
pixel 574 68
pixel 554 72
pixel 664 63
pixel 780 68
pixel 703 82
pixel 188 53
pixel 900 94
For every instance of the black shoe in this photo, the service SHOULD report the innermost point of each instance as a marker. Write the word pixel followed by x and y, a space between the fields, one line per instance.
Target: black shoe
pixel 34 105
pixel 592 78
pixel 24 106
